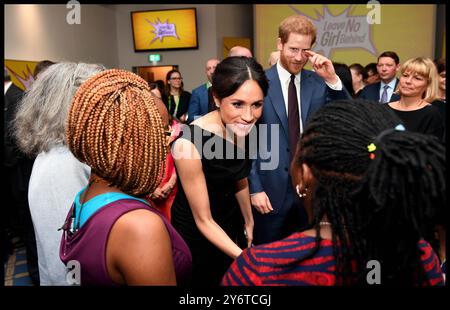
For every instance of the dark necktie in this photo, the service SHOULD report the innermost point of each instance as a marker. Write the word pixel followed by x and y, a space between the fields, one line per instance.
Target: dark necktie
pixel 384 94
pixel 293 117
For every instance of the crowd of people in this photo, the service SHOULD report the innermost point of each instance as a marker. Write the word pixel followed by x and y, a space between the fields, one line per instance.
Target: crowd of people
pixel 286 176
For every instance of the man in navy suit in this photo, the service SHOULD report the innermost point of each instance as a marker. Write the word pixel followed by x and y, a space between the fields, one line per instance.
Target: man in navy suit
pixel 387 66
pixel 293 97
pixel 200 103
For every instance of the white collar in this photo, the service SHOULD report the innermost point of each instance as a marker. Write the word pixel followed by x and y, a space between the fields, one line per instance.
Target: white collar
pixel 391 83
pixel 284 75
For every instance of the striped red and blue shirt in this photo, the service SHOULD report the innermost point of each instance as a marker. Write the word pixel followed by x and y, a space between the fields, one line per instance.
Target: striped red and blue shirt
pixel 261 265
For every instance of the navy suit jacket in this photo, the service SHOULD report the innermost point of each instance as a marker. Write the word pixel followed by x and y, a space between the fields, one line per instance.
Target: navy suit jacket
pixel 372 92
pixel 198 104
pixel 314 93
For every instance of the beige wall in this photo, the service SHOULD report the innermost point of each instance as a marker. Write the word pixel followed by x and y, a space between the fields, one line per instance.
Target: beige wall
pixel 37 32
pixel 241 25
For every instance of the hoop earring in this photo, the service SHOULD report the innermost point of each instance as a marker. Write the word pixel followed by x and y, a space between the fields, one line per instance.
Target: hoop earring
pixel 297 188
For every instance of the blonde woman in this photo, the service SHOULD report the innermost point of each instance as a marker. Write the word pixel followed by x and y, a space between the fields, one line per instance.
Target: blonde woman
pixel 418 87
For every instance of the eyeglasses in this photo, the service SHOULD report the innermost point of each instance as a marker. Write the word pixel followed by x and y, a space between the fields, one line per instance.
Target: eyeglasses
pixel 176 78
pixel 294 51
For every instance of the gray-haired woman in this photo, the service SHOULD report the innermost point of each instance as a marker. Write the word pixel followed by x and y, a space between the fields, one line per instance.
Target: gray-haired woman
pixel 57 175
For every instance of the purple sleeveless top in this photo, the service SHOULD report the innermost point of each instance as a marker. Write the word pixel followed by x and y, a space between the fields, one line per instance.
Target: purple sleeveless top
pixel 88 244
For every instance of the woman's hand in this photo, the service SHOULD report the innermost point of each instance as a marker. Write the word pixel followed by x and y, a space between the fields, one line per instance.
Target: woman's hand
pixel 157 194
pixel 166 189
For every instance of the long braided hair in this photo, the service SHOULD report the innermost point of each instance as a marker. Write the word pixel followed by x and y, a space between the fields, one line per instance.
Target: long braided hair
pixel 379 208
pixel 114 126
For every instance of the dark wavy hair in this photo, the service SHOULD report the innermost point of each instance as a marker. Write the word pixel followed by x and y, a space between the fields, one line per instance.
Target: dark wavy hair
pixel 370 67
pixel 390 54
pixel 168 76
pixel 379 208
pixel 344 73
pixel 440 64
pixel 359 69
pixel 232 72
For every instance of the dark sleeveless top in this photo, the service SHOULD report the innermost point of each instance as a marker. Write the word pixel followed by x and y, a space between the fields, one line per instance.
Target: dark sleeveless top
pixel 221 174
pixel 88 244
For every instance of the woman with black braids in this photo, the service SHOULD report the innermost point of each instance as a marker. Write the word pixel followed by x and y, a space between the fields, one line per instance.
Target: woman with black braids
pixel 372 190
pixel 114 126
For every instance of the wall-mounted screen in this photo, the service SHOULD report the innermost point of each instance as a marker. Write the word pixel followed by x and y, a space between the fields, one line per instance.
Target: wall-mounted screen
pixel 164 29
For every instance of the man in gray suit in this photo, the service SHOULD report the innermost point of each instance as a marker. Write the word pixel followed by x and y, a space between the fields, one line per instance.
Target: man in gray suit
pixel 294 95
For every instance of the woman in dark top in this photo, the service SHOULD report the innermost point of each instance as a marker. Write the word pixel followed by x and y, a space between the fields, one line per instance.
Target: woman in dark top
pixel 439 102
pixel 440 66
pixel 418 87
pixel 177 99
pixel 344 73
pixel 212 163
pixel 358 78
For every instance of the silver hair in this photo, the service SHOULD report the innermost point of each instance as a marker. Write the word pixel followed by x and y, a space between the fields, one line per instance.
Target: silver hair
pixel 42 113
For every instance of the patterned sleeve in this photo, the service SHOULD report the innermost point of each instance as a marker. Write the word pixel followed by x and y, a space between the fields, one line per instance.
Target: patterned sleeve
pixel 243 271
pixel 431 264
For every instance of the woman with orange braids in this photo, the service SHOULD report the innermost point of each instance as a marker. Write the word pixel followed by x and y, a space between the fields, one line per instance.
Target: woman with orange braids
pixel 114 126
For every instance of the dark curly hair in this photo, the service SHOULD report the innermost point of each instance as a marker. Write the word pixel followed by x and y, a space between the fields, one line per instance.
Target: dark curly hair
pixel 379 207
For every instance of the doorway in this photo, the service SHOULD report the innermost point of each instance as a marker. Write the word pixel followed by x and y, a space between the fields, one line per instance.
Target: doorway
pixel 154 73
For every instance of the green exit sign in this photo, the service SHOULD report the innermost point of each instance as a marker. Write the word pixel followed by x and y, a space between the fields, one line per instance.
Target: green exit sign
pixel 154 57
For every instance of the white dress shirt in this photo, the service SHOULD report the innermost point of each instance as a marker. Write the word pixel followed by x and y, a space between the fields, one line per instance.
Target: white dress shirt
pixel 285 79
pixel 390 89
